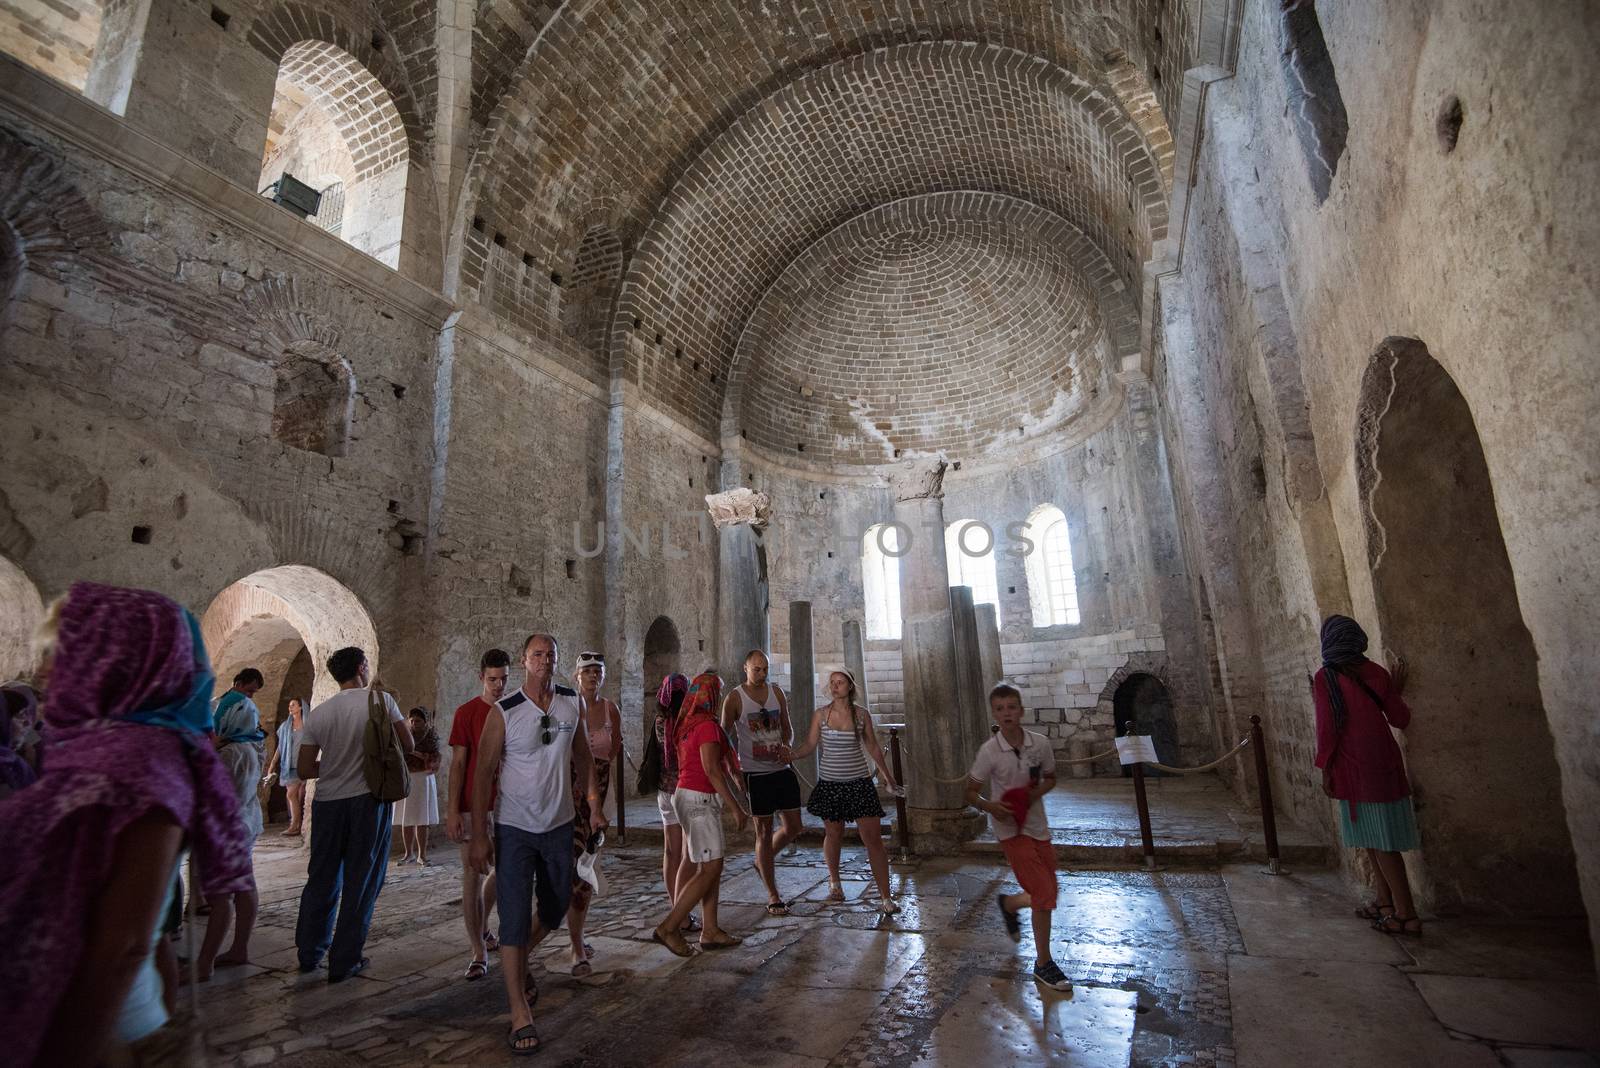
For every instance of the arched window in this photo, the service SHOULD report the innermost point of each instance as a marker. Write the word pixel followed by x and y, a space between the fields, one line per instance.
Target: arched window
pixel 880 575
pixel 969 558
pixel 1052 587
pixel 314 399
pixel 335 129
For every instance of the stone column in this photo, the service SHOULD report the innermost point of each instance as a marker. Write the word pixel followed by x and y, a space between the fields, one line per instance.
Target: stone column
pixel 741 517
pixel 855 658
pixel 971 709
pixel 992 668
pixel 935 744
pixel 802 690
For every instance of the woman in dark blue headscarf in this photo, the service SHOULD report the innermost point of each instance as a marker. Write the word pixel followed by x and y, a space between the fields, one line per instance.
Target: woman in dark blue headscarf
pixel 1357 703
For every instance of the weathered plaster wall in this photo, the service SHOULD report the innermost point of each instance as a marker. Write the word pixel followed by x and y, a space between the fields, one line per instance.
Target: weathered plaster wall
pixel 137 355
pixel 1495 275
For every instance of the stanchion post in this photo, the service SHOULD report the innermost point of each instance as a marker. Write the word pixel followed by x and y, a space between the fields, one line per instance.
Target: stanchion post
pixel 902 826
pixel 1145 836
pixel 1269 821
pixel 619 772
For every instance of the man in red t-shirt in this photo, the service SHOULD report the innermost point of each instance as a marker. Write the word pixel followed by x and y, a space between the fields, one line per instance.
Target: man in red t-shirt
pixel 477 892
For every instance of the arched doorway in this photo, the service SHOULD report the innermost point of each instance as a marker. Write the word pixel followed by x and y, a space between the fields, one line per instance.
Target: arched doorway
pixel 1494 829
pixel 661 654
pixel 1142 705
pixel 21 609
pixel 285 621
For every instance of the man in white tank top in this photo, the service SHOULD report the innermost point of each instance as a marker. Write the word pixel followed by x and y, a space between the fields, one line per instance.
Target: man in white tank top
pixel 757 713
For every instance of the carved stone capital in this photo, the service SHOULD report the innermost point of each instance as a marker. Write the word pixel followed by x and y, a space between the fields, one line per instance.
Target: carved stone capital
pixel 918 479
pixel 738 506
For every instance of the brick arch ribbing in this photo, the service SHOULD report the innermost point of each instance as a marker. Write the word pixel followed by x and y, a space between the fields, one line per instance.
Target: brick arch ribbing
pixel 54 226
pixel 289 24
pixel 878 127
pixel 637 91
pixel 940 322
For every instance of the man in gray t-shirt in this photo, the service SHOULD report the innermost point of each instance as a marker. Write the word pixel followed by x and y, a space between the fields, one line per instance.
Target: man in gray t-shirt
pixel 349 827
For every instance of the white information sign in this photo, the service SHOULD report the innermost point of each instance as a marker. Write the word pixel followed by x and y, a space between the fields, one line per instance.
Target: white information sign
pixel 1134 748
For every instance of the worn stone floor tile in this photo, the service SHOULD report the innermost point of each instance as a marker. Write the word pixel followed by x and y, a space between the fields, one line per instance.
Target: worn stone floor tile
pixel 793 882
pixel 1527 949
pixel 1337 1014
pixel 837 957
pixel 1005 1021
pixel 1550 1013
pixel 1522 1057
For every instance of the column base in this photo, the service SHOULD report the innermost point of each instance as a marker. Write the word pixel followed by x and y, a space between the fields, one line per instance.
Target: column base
pixel 937 830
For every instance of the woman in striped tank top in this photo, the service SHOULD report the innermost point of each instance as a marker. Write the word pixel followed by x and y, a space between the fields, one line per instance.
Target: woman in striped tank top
pixel 844 790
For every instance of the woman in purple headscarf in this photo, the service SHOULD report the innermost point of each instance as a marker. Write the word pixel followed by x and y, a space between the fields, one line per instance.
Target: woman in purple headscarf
pixel 92 848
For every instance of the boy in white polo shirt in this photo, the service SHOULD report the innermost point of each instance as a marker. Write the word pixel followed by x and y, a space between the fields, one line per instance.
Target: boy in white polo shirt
pixel 1018 767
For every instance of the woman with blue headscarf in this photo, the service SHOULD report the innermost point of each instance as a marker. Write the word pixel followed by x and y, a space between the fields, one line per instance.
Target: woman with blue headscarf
pixel 1357 703
pixel 241 744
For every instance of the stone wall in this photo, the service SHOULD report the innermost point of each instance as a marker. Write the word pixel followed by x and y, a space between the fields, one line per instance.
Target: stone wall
pixel 1280 304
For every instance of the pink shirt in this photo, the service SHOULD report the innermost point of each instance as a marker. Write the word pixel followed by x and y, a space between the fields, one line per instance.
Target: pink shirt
pixel 1364 760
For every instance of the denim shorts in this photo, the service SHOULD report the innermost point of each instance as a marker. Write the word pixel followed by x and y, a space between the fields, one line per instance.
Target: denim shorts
pixel 531 868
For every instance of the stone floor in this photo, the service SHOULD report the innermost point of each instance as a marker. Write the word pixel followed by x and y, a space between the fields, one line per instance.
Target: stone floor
pixel 1223 967
pixel 1195 819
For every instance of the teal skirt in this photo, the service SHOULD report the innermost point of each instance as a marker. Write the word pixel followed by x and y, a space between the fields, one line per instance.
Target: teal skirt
pixel 1387 825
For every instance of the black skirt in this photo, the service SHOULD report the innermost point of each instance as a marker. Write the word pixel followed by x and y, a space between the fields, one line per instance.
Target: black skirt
pixel 842 802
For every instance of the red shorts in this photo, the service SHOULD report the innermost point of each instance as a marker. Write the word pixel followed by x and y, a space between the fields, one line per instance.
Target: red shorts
pixel 1034 864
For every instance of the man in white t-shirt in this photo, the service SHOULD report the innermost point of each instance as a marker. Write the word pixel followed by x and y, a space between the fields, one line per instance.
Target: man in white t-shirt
pixel 532 745
pixel 1018 768
pixel 349 827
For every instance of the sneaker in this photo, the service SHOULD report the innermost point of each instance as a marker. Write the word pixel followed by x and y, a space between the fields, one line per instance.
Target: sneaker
pixel 359 967
pixel 1049 974
pixel 1013 925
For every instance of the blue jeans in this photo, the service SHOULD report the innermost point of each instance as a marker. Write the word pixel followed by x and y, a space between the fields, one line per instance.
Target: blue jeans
pixel 349 859
pixel 529 867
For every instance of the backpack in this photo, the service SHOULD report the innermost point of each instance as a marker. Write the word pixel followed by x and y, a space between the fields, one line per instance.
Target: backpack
pixel 383 762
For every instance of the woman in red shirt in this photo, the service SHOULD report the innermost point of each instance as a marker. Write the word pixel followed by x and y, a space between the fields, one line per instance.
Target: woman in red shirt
pixel 1357 704
pixel 707 773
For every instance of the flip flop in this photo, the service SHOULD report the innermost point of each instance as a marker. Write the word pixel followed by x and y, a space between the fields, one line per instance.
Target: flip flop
pixel 477 970
pixel 722 943
pixel 836 894
pixel 521 1035
pixel 490 942
pixel 581 969
pixel 692 924
pixel 777 908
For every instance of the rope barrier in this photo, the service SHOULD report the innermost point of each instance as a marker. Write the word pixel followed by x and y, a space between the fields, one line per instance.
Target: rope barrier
pixel 1075 760
pixel 1229 755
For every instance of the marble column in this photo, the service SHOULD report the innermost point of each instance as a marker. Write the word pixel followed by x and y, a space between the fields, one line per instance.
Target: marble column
pixel 992 667
pixel 802 687
pixel 935 744
pixel 743 607
pixel 971 709
pixel 855 658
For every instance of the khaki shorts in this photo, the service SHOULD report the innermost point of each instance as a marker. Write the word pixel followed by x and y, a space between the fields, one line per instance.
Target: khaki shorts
pixel 700 815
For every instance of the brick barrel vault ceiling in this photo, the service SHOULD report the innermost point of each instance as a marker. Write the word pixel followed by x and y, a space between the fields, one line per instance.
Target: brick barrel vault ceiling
pixel 958 322
pixel 843 140
pixel 614 99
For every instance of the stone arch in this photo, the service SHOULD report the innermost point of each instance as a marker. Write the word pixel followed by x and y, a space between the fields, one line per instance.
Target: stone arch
pixel 53 226
pixel 968 244
pixel 275 615
pixel 314 399
pixel 589 292
pixel 1042 148
pixel 21 609
pixel 663 650
pixel 339 119
pixel 1479 749
pixel 1142 704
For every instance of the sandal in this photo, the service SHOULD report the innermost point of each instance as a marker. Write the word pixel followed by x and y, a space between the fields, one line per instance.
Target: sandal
pixel 888 906
pixel 477 970
pixel 835 893
pixel 581 969
pixel 777 908
pixel 727 941
pixel 692 924
pixel 673 941
pixel 1372 911
pixel 490 942
pixel 516 1039
pixel 1405 926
